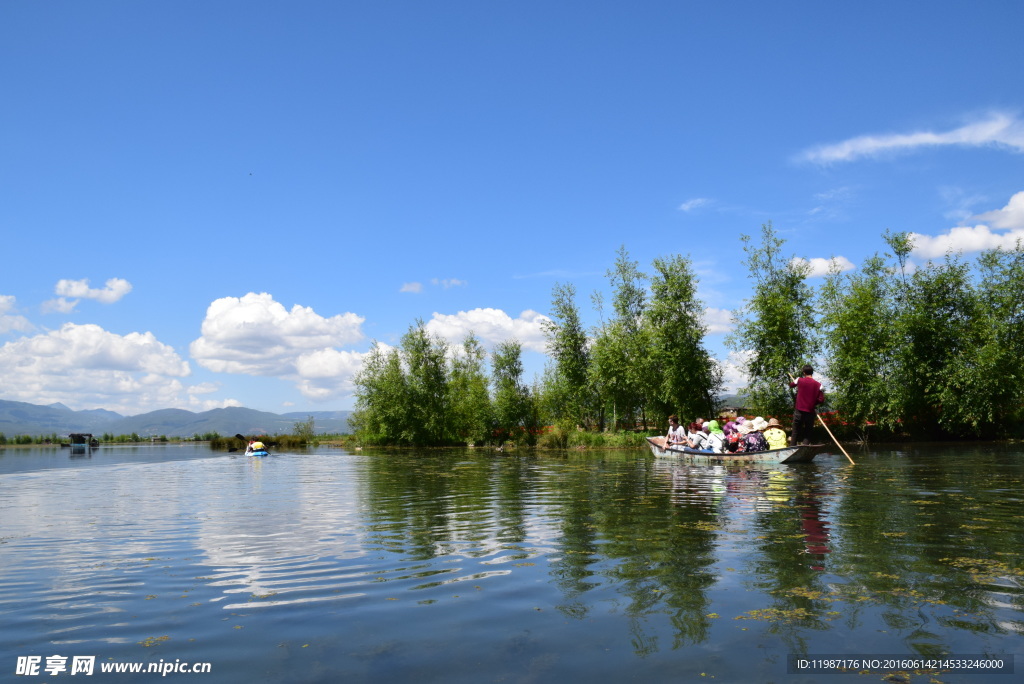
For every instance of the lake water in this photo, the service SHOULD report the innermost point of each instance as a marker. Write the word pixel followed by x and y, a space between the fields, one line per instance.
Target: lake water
pixel 473 566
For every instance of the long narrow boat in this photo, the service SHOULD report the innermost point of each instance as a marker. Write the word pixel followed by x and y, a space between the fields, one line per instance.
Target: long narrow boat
pixel 793 454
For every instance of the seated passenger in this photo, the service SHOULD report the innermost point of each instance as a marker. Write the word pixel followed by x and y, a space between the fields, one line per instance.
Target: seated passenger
pixel 696 437
pixel 676 434
pixel 775 435
pixel 732 437
pixel 754 440
pixel 715 441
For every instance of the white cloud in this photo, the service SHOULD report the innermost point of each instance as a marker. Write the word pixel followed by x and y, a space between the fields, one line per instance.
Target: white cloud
pixel 718 320
pixel 977 238
pixel 255 335
pixel 115 289
pixel 412 287
pixel 59 305
pixel 820 267
pixel 696 202
pixel 328 373
pixel 12 322
pixel 1000 130
pixel 130 373
pixel 491 326
pixel 734 374
pixel 1010 217
pixel 963 239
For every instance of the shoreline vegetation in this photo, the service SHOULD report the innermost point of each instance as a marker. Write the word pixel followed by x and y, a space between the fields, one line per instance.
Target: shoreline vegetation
pixel 908 351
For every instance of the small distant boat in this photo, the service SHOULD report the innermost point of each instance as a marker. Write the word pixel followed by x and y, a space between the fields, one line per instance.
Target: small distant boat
pixel 83 440
pixel 256 449
pixel 793 454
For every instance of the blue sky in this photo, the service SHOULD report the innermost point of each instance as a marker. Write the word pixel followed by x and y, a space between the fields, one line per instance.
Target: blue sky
pixel 208 204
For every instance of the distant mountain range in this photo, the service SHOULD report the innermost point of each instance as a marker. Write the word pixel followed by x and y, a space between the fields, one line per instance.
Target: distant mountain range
pixel 19 418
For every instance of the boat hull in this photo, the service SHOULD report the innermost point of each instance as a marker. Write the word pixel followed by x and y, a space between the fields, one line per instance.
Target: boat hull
pixel 257 453
pixel 793 454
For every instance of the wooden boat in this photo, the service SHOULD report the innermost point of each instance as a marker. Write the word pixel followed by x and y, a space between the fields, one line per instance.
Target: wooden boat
pixel 793 454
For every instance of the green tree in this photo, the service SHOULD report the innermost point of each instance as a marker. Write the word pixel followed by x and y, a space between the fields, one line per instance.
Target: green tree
pixel 472 413
pixel 514 408
pixel 688 378
pixel 940 332
pixel 859 321
pixel 380 415
pixel 997 387
pixel 427 397
pixel 305 430
pixel 622 368
pixel 776 327
pixel 567 386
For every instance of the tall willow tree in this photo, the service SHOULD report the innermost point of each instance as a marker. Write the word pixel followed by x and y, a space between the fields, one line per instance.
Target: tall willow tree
pixel 428 400
pixel 567 388
pixel 380 415
pixel 775 328
pixel 622 368
pixel 939 335
pixel 996 388
pixel 402 395
pixel 515 412
pixel 859 320
pixel 688 378
pixel 472 413
pixel 933 352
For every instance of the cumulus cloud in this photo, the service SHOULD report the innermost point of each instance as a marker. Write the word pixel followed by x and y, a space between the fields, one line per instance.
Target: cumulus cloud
pixel 820 267
pixel 255 335
pixel 9 321
pixel 963 239
pixel 126 373
pixel 718 320
pixel 979 237
pixel 328 373
pixel 999 130
pixel 1009 217
pixel 70 292
pixel 491 326
pixel 412 287
pixel 115 289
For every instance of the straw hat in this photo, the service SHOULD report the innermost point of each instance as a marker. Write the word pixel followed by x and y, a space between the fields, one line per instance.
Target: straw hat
pixel 774 423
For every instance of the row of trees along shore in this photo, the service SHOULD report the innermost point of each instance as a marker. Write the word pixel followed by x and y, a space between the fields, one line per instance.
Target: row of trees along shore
pixel 927 351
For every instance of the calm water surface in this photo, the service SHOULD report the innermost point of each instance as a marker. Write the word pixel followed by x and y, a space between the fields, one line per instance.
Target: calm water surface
pixel 472 566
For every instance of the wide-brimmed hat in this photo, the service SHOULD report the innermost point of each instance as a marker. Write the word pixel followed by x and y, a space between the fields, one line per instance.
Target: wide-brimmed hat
pixel 774 422
pixel 759 424
pixel 743 428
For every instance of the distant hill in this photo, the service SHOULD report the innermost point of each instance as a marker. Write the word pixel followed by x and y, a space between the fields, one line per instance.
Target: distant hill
pixel 19 418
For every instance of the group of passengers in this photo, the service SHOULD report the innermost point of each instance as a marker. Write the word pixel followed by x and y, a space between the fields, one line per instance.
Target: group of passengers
pixel 733 436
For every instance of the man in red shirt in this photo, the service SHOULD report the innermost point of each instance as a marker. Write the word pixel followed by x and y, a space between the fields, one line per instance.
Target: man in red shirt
pixel 808 396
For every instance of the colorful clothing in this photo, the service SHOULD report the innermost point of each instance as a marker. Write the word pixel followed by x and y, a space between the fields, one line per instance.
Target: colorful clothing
pixel 776 438
pixel 755 441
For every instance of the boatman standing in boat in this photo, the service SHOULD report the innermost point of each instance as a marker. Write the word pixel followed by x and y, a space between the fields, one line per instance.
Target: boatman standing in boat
pixel 808 396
